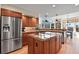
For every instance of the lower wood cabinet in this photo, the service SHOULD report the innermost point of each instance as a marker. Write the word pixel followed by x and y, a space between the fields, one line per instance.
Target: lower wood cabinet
pixel 38 46
pixel 24 39
pixel 46 47
pixel 49 46
pixel 57 44
pixel 52 45
pixel 60 45
pixel 31 45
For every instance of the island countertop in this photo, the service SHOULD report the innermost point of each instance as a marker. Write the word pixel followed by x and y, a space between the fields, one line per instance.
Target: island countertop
pixel 45 30
pixel 44 36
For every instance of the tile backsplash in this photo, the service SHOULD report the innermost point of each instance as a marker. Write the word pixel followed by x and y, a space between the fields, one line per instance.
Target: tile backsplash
pixel 29 28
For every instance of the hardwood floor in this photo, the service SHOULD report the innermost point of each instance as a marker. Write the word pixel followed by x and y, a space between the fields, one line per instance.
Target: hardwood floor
pixel 71 46
pixel 24 50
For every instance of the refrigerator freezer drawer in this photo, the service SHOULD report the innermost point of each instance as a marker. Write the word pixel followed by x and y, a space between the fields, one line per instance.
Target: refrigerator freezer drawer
pixel 17 44
pixel 10 45
pixel 6 46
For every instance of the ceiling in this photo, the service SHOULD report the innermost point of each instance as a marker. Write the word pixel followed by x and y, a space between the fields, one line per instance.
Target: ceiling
pixel 36 9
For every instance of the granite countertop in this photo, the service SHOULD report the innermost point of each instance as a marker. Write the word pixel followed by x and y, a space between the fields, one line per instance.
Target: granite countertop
pixel 44 30
pixel 43 36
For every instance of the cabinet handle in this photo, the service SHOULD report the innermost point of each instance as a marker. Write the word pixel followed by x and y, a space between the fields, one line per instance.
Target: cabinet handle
pixel 36 44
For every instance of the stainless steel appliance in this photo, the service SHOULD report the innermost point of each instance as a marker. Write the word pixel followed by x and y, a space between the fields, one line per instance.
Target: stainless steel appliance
pixel 10 30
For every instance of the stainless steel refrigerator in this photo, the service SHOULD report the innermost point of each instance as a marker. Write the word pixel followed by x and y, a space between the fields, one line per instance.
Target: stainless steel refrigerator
pixel 10 34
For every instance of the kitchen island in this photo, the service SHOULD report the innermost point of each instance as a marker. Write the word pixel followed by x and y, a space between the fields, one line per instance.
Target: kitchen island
pixel 44 43
pixel 62 31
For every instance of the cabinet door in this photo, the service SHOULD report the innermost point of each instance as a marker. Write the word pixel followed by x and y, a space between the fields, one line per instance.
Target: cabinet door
pixel 52 45
pixel 30 45
pixel 24 39
pixel 46 47
pixel 25 21
pixel 27 39
pixel 30 22
pixel 57 43
pixel 38 46
pixel 33 22
pixel 60 45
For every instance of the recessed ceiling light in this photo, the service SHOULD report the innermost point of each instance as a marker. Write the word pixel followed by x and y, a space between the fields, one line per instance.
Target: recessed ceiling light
pixel 53 5
pixel 47 13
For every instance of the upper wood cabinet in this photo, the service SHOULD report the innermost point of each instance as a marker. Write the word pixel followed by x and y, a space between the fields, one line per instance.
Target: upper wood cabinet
pixel 28 21
pixel 6 12
pixel 33 22
pixel 25 21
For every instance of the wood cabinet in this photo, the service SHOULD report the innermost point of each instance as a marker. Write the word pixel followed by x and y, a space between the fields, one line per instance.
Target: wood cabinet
pixel 30 45
pixel 6 12
pixel 28 21
pixel 25 21
pixel 30 24
pixel 57 44
pixel 60 42
pixel 25 39
pixel 49 46
pixel 38 47
pixel 52 45
pixel 46 46
pixel 33 22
